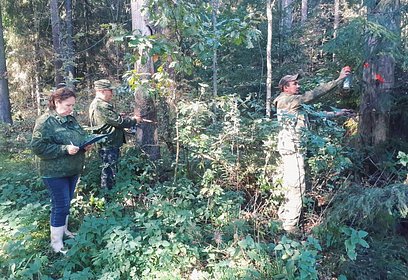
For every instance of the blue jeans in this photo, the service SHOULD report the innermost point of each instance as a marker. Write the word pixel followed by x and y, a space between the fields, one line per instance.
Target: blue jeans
pixel 61 191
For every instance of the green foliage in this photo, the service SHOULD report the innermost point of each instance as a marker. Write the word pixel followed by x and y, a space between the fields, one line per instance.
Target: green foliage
pixel 354 238
pixel 187 46
pixel 372 209
pixel 200 224
pixel 215 134
pixel 28 36
pixel 383 260
pixel 164 230
pixel 22 219
pixel 349 45
pixel 14 138
pixel 298 258
pixel 216 217
pixel 160 235
pixel 403 158
pixel 376 212
pixel 330 159
pixel 4 137
pixel 246 259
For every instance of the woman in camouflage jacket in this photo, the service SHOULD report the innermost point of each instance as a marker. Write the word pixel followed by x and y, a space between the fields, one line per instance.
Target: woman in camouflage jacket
pixel 56 139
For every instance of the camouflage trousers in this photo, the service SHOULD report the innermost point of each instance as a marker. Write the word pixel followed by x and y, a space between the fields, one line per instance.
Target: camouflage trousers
pixel 293 183
pixel 110 157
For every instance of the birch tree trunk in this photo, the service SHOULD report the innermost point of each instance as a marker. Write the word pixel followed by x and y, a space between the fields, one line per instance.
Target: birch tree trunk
pixel 269 6
pixel 5 108
pixel 55 26
pixel 378 74
pixel 145 106
pixel 336 17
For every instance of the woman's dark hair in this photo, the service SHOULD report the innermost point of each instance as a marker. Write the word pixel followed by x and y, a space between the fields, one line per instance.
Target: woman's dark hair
pixel 59 95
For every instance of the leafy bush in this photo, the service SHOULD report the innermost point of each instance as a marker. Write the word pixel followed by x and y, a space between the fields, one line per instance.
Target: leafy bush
pixel 298 259
pixel 329 158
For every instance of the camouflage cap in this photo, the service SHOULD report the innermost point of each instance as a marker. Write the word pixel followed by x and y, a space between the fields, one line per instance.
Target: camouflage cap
pixel 288 78
pixel 103 84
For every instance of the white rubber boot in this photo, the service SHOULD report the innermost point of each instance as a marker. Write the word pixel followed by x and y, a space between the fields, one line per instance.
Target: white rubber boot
pixel 66 231
pixel 56 239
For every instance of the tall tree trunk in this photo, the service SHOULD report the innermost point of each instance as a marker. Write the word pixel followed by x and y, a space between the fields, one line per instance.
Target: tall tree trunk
pixel 69 48
pixel 214 4
pixel 336 20
pixel 269 6
pixel 5 108
pixel 55 26
pixel 88 69
pixel 286 7
pixel 304 12
pixel 35 88
pixel 378 74
pixel 336 17
pixel 145 105
pixel 287 16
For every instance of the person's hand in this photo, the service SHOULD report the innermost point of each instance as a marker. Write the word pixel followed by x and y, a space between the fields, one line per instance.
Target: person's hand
pixel 88 148
pixel 72 149
pixel 138 118
pixel 345 112
pixel 345 71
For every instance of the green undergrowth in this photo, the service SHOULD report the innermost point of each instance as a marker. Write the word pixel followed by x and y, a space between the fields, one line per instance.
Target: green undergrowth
pixel 209 214
pixel 374 250
pixel 142 229
pixel 150 229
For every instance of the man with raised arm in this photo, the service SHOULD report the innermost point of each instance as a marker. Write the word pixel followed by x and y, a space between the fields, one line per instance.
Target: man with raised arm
pixel 292 120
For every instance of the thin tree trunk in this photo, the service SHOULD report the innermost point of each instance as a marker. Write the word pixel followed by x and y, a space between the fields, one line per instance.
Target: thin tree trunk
pixel 69 52
pixel 55 26
pixel 214 4
pixel 37 92
pixel 88 69
pixel 269 6
pixel 336 20
pixel 304 12
pixel 5 108
pixel 36 85
pixel 145 106
pixel 336 17
pixel 35 88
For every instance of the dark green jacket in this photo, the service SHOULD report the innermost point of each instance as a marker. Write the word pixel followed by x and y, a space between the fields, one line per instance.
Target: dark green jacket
pixel 104 119
pixel 52 133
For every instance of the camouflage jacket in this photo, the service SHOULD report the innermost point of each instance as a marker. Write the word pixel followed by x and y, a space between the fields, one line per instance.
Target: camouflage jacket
pixel 291 117
pixel 51 135
pixel 104 119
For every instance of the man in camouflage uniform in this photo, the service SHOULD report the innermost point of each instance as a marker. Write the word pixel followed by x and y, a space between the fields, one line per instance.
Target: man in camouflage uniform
pixel 104 119
pixel 293 120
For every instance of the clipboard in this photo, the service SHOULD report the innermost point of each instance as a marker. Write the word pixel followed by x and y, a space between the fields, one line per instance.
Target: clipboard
pixel 93 139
